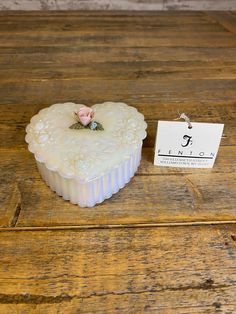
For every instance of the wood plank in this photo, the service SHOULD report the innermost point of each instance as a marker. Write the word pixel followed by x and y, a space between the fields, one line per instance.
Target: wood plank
pixel 81 21
pixel 146 199
pixel 134 270
pixel 24 163
pixel 172 195
pixel 71 21
pixel 96 13
pixel 19 114
pixel 152 70
pixel 74 55
pixel 93 90
pixel 10 204
pixel 104 18
pixel 226 19
pixel 65 21
pixel 87 25
pixel 14 118
pixel 125 38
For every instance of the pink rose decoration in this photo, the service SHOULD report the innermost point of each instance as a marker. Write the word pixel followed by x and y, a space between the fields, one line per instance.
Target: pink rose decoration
pixel 85 115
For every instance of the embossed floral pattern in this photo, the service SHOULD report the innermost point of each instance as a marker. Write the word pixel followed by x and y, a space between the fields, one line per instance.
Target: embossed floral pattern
pixel 85 155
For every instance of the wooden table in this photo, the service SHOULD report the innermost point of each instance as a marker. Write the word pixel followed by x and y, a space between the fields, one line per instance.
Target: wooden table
pixel 166 243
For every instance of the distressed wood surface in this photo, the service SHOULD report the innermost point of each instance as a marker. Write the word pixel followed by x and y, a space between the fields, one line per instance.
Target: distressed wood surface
pixel 155 195
pixel 145 59
pixel 139 251
pixel 14 118
pixel 226 19
pixel 132 270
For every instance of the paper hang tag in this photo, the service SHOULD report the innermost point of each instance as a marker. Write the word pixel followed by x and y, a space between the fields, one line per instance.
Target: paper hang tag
pixel 177 145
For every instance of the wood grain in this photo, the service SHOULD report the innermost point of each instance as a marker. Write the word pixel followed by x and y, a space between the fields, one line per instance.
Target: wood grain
pixel 227 20
pixel 124 36
pixel 158 61
pixel 146 199
pixel 145 59
pixel 139 251
pixel 149 70
pixel 10 204
pixel 157 195
pixel 14 118
pixel 132 270
pixel 65 21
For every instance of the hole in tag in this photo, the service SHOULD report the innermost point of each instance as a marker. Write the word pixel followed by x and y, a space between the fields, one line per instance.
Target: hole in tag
pixel 186 119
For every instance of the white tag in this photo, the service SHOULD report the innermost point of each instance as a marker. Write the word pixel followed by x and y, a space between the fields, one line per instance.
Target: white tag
pixel 179 146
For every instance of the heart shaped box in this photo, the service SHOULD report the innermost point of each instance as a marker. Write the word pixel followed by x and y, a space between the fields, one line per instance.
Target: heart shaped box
pixel 82 165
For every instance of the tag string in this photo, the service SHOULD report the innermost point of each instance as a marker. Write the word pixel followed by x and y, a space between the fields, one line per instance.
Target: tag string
pixel 186 119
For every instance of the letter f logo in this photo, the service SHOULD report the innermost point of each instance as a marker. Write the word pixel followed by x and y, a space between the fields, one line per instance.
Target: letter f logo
pixel 188 141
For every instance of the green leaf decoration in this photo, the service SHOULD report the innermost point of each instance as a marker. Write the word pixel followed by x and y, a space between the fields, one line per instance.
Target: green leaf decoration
pixel 79 126
pixel 99 126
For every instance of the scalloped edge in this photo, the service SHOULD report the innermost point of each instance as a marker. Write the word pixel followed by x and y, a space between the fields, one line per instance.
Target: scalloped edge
pixel 41 159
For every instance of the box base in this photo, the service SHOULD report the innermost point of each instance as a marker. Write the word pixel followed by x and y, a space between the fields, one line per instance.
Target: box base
pixel 88 194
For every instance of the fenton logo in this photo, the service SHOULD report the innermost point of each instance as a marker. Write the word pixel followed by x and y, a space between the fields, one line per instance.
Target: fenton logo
pixel 187 141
